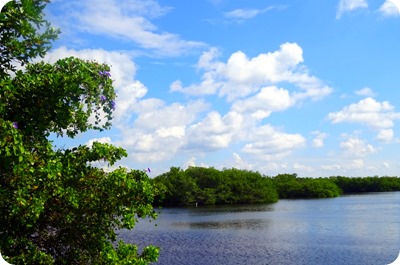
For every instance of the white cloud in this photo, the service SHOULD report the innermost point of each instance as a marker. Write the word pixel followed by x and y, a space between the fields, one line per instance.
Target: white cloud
pixel 333 167
pixel 389 9
pixel 261 105
pixel 149 147
pixel 268 143
pixel 159 130
pixel 104 140
pixel 356 164
pixel 319 138
pixel 349 6
pixel 129 20
pixel 386 165
pixel 214 131
pixel 191 162
pixel 354 146
pixel 385 135
pixel 166 116
pixel 241 76
pixel 240 163
pixel 128 97
pixel 365 92
pixel 174 131
pixel 243 14
pixel 369 112
pixel 303 168
pixel 152 130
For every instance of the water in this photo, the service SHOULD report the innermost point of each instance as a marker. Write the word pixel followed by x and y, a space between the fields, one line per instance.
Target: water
pixel 357 229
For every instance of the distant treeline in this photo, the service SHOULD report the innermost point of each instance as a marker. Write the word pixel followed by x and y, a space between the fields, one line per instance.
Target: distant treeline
pixel 207 186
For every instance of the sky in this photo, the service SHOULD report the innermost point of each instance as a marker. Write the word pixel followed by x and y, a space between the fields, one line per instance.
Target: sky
pixel 275 86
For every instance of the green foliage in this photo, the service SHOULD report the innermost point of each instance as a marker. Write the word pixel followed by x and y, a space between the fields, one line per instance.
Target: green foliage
pixel 55 207
pixel 232 186
pixel 63 95
pixel 24 32
pixel 210 186
pixel 180 188
pixel 367 184
pixel 290 186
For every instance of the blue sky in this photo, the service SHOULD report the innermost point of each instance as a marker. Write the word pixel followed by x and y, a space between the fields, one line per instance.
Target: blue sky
pixel 288 86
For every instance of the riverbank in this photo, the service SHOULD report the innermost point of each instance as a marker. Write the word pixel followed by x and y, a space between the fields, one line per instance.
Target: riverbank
pixel 209 186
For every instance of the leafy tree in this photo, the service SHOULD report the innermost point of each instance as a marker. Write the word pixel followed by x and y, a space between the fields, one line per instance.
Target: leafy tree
pixel 290 186
pixel 210 186
pixel 20 38
pixel 249 186
pixel 367 184
pixel 55 207
pixel 180 188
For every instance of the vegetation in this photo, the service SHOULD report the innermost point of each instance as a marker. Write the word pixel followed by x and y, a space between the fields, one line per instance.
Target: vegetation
pixel 197 185
pixel 55 207
pixel 367 184
pixel 290 186
pixel 211 186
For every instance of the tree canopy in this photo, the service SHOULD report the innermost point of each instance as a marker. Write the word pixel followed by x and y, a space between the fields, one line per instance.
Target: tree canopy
pixel 208 186
pixel 211 186
pixel 55 206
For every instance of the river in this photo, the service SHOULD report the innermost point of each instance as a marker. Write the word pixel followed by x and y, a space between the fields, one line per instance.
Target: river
pixel 352 229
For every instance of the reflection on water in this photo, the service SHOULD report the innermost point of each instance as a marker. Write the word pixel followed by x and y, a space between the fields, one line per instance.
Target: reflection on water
pixel 357 229
pixel 229 224
pixel 223 209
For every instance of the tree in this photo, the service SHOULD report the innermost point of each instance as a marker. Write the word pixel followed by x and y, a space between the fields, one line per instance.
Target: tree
pixel 208 186
pixel 20 38
pixel 55 207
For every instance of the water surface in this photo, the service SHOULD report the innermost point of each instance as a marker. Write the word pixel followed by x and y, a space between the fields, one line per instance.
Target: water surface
pixel 356 229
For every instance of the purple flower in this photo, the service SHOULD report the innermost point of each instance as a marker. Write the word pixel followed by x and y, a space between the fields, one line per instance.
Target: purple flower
pixel 105 73
pixel 103 98
pixel 148 170
pixel 15 125
pixel 113 104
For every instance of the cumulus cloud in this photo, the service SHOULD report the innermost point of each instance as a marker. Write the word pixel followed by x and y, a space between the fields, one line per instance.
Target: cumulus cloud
pixel 129 20
pixel 389 9
pixel 241 76
pixel 261 105
pixel 369 112
pixel 346 6
pixel 214 131
pixel 354 146
pixel 152 130
pixel 269 143
pixel 162 115
pixel 385 135
pixel 158 132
